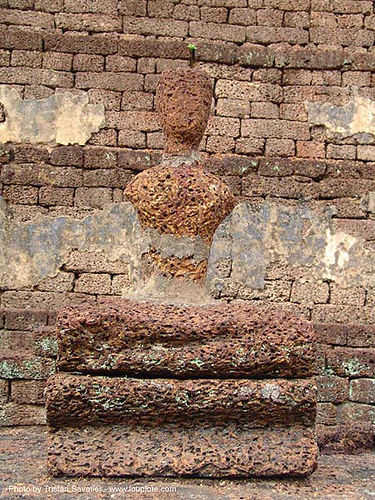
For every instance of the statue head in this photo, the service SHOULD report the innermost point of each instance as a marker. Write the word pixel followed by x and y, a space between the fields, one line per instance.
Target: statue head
pixel 183 101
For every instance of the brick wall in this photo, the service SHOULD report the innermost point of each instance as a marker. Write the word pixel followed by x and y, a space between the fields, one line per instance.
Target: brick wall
pixel 267 58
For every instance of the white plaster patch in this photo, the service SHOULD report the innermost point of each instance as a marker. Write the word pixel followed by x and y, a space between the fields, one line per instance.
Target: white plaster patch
pixel 271 391
pixel 337 251
pixel 63 118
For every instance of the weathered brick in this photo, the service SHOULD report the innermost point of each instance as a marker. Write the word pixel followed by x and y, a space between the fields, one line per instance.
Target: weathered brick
pixel 28 18
pixel 107 178
pixel 362 390
pixel 186 12
pixel 81 44
pixel 309 58
pixel 269 17
pixel 271 34
pixel 94 262
pixel 88 62
pixel 106 137
pixel 343 6
pixel 326 414
pixel 310 149
pixel 24 319
pixel 274 128
pixel 120 63
pixel 107 7
pixel 332 333
pixel 251 91
pixel 88 22
pixel 92 197
pixel 28 391
pixel 219 15
pixel 133 7
pixel 100 158
pixel 146 65
pixel 332 389
pixel 110 99
pixel 32 59
pixel 137 100
pixel 14 414
pixel 49 5
pixel 248 145
pixel 15 38
pixel 4 390
pixel 120 283
pixel 46 301
pixel 110 81
pixel 255 55
pixel 296 5
pixel 22 364
pixel 356 413
pixel 220 144
pixel 349 362
pixel 345 152
pixel 238 108
pixel 364 229
pixel 155 26
pixel 67 155
pixel 133 139
pixel 243 16
pixel 264 110
pixel 366 153
pixel 160 8
pixel 93 283
pixel 62 282
pixel 280 147
pixel 310 292
pixel 347 295
pixel 21 195
pixel 341 36
pixel 220 125
pixel 58 61
pixel 356 78
pixel 49 196
pixel 31 76
pixel 133 120
pixel 26 174
pixel 297 19
pixel 226 32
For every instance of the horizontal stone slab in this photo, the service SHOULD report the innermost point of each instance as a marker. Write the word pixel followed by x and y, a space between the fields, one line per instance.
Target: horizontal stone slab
pixel 85 399
pixel 233 450
pixel 150 339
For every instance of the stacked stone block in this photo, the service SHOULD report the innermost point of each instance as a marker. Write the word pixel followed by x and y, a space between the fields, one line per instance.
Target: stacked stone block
pixel 210 391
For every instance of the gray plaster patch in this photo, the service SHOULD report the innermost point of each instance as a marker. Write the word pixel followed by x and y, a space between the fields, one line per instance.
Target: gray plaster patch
pixel 256 237
pixel 356 118
pixel 63 118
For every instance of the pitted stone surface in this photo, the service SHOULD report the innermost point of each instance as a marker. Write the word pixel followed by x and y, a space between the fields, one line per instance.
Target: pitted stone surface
pixel 77 400
pixel 201 450
pixel 183 101
pixel 183 200
pixel 218 340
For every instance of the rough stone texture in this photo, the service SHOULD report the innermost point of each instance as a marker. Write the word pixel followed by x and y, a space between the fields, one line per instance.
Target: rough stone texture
pixel 218 340
pixel 179 450
pixel 64 118
pixel 76 400
pixel 182 200
pixel 183 101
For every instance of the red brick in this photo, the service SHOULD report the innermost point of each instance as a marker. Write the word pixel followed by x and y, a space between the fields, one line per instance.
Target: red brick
pixel 92 197
pixel 31 59
pixel 348 362
pixel 110 81
pixel 21 195
pixel 220 144
pixel 81 44
pixel 49 196
pixel 155 26
pixel 93 283
pixel 57 61
pixel 332 389
pixel 326 414
pixel 332 333
pixel 28 391
pixel 88 62
pixel 280 147
pixel 212 31
pixel 362 390
pixel 104 138
pixel 119 63
pixel 297 77
pixel 22 414
pixel 88 22
pixel 107 178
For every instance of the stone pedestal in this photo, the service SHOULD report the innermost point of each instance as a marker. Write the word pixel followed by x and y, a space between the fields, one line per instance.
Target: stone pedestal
pixel 207 391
